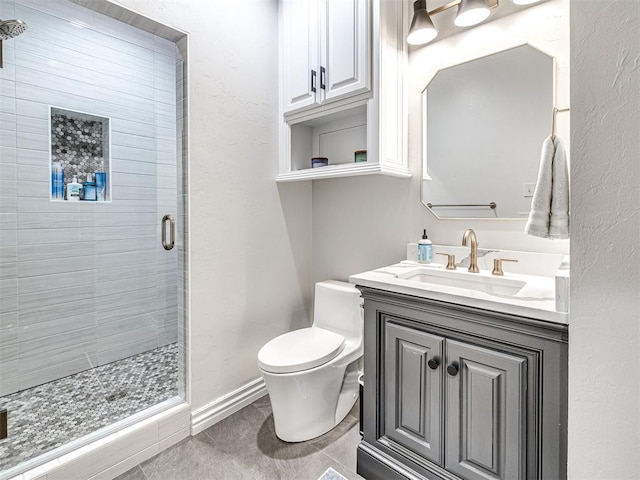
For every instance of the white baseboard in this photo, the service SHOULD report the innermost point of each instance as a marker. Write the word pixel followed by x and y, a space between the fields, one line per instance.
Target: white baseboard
pixel 222 407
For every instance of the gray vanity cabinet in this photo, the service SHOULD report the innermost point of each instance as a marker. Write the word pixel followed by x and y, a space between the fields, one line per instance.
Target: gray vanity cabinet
pixel 455 392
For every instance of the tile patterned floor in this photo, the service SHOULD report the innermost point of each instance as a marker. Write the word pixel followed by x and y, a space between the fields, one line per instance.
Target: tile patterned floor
pixel 244 447
pixel 331 474
pixel 50 415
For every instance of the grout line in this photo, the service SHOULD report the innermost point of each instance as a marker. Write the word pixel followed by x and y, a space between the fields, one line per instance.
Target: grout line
pixel 142 470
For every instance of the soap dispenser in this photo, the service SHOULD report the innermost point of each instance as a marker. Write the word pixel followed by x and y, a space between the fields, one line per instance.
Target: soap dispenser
pixel 425 249
pixel 73 190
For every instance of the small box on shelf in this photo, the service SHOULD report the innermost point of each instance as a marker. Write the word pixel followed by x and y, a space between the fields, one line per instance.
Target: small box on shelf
pixel 319 162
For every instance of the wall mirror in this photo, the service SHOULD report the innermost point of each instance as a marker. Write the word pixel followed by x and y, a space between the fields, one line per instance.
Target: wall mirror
pixel 484 122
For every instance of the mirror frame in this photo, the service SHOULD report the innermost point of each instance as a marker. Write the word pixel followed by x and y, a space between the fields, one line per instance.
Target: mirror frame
pixel 423 107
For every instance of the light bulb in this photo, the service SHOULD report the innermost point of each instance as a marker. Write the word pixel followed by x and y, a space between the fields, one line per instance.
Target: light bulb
pixel 471 12
pixel 421 36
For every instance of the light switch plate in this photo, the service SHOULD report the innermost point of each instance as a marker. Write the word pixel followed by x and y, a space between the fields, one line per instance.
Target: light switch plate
pixel 528 189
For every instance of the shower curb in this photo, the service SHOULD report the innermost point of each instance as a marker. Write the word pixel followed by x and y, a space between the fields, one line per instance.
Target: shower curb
pixel 110 456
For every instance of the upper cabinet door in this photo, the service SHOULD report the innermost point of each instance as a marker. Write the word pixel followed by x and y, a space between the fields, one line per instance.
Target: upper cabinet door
pixel 485 413
pixel 346 48
pixel 300 54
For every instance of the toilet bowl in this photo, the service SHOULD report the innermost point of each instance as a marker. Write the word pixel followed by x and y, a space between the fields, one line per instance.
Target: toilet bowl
pixel 311 374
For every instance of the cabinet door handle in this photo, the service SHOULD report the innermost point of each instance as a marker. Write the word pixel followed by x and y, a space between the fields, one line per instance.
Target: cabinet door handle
pixel 313 81
pixel 453 369
pixel 433 363
pixel 323 74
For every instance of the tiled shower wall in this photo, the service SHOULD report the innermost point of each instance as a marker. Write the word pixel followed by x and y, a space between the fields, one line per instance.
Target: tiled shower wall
pixel 84 284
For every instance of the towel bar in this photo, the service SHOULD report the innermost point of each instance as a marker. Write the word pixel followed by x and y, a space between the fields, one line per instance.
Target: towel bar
pixel 491 205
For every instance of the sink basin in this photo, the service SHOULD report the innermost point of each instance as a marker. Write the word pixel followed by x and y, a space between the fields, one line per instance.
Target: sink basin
pixel 490 284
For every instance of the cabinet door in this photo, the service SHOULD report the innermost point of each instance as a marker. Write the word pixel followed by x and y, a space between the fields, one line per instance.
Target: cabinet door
pixel 485 413
pixel 345 52
pixel 300 52
pixel 413 390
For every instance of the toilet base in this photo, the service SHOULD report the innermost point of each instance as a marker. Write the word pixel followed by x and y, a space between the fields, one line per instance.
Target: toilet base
pixel 310 403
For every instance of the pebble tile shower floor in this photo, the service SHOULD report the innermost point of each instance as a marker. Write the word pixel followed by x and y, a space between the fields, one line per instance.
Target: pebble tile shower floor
pixel 50 415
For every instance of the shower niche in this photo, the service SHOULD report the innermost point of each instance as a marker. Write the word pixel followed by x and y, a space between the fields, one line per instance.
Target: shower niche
pixel 79 149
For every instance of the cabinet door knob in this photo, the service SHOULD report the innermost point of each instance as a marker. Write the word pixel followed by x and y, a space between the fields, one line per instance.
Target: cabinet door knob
pixel 433 363
pixel 453 369
pixel 323 74
pixel 313 81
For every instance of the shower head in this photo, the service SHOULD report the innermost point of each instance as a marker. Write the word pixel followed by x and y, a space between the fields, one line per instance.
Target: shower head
pixel 11 28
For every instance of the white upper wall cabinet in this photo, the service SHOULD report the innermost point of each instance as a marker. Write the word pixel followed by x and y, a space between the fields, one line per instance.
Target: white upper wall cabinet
pixel 326 53
pixel 342 88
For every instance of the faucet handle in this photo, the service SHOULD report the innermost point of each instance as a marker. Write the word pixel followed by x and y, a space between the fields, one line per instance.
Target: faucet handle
pixel 451 260
pixel 497 265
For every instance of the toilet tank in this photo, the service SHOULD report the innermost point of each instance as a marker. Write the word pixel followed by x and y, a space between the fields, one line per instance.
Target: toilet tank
pixel 337 308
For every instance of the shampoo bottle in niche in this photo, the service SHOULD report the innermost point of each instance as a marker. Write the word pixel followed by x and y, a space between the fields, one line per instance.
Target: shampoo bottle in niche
pixel 101 185
pixel 57 181
pixel 73 190
pixel 425 249
pixel 89 189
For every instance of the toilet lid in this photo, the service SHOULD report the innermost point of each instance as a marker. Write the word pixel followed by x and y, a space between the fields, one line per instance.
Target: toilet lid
pixel 300 350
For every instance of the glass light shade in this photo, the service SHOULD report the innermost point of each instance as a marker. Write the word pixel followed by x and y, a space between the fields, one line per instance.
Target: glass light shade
pixel 471 12
pixel 422 30
pixel 525 2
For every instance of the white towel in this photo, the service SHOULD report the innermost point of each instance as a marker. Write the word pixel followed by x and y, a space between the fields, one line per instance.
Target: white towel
pixel 549 215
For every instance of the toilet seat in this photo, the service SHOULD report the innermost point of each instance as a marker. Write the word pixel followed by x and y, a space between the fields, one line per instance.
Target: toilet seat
pixel 300 350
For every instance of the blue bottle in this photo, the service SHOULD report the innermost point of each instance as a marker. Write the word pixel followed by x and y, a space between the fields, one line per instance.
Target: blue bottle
pixel 57 181
pixel 89 190
pixel 425 249
pixel 101 186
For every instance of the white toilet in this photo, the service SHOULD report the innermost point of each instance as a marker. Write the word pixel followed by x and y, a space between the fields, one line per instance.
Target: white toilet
pixel 312 373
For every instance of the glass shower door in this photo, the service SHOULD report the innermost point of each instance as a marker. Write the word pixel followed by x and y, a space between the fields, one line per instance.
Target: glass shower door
pixel 91 310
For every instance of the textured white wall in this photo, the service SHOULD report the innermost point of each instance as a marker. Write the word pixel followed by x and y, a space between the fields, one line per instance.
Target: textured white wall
pixel 604 337
pixel 250 238
pixel 361 223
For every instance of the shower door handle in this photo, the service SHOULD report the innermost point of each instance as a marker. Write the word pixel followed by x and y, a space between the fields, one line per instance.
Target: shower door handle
pixel 3 423
pixel 172 232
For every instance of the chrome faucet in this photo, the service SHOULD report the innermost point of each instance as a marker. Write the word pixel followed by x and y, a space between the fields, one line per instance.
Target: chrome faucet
pixel 470 236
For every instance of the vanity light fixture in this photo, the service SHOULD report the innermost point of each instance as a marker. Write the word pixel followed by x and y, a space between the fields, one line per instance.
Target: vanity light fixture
pixel 470 12
pixel 422 30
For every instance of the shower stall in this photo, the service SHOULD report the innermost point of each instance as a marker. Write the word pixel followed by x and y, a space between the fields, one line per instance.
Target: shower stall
pixel 92 225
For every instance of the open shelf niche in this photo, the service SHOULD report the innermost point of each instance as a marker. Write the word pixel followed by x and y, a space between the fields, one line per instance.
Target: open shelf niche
pixel 80 142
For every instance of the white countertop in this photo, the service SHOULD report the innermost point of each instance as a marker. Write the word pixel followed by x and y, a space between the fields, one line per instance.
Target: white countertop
pixel 535 300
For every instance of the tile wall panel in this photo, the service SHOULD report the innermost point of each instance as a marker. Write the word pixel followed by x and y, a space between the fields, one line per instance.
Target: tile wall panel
pixel 83 284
